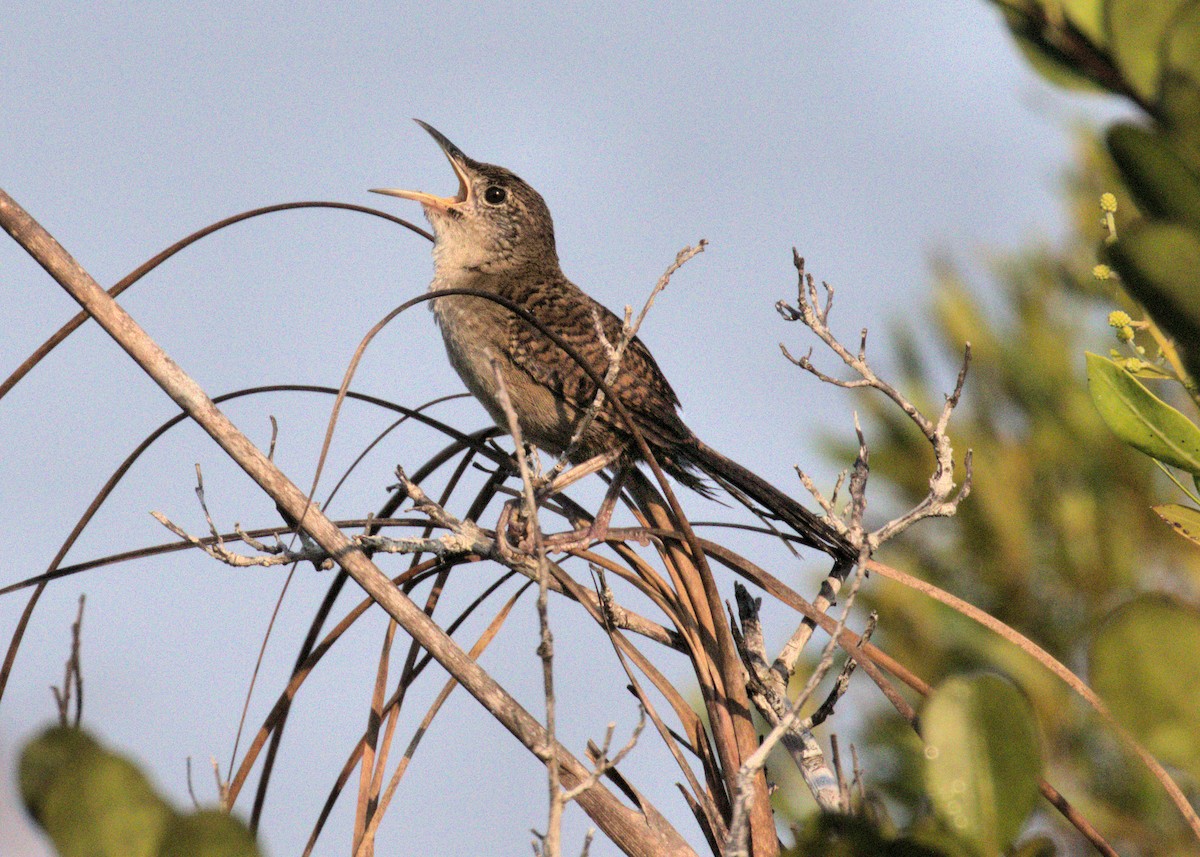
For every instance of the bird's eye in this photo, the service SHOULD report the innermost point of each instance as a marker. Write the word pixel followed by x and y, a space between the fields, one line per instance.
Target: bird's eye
pixel 495 195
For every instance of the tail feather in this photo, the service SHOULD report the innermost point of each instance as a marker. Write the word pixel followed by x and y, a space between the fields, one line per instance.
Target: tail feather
pixel 812 530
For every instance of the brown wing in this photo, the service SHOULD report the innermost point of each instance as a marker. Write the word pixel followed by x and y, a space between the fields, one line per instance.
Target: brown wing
pixel 641 385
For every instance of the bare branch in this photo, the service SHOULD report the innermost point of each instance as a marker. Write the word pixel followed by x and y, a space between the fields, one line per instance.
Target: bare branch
pixel 72 677
pixel 944 496
pixel 604 763
pixel 451 544
pixel 795 734
pixel 843 680
pixel 640 831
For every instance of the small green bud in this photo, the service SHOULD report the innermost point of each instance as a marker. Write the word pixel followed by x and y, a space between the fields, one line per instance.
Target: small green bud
pixel 1102 272
pixel 1108 203
pixel 1119 318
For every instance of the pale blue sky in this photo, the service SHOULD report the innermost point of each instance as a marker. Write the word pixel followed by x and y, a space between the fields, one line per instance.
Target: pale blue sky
pixel 868 135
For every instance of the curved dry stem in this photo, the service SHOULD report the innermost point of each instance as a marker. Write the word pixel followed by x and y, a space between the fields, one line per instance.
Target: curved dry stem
pixel 367 840
pixel 371 781
pixel 471 442
pixel 706 631
pixel 394 703
pixel 278 711
pixel 111 483
pixel 712 799
pixel 1055 666
pixel 431 466
pixel 710 803
pixel 670 638
pixel 366 450
pixel 154 261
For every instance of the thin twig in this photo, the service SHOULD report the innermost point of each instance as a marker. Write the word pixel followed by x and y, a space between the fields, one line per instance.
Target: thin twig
pixel 944 496
pixel 72 677
pixel 450 544
pixel 551 841
pixel 630 830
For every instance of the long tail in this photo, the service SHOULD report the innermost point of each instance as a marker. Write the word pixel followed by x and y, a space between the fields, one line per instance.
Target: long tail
pixel 740 481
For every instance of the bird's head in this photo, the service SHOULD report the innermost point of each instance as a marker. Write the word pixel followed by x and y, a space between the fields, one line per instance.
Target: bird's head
pixel 496 223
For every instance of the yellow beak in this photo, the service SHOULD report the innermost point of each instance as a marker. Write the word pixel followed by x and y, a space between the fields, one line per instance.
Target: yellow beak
pixel 458 161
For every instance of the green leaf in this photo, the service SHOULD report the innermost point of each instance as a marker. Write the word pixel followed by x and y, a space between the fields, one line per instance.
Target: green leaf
pixel 1180 107
pixel 1140 418
pixel 982 758
pixel 91 803
pixel 1159 264
pixel 1180 98
pixel 1137 31
pixel 44 759
pixel 208 833
pixel 1027 24
pixel 1046 63
pixel 1162 182
pixel 1183 519
pixel 1145 663
pixel 1088 18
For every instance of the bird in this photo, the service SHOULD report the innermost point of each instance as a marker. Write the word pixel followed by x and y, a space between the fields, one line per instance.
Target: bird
pixel 496 235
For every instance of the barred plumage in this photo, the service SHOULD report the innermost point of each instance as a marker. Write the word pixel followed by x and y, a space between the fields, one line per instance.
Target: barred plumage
pixel 496 235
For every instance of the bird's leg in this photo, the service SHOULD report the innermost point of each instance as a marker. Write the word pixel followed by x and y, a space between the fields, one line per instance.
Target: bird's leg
pixel 512 528
pixel 597 530
pixel 511 523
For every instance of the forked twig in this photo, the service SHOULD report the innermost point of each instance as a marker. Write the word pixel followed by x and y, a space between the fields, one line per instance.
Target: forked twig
pixel 944 496
pixel 631 830
pixel 72 677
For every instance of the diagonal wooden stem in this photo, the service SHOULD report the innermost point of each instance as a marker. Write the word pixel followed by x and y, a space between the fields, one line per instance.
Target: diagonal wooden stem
pixel 644 832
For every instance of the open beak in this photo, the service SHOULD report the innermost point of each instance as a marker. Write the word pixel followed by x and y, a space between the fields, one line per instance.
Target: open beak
pixel 457 160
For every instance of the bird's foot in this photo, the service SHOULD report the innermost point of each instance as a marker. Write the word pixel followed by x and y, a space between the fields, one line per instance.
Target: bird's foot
pixel 585 537
pixel 578 539
pixel 513 533
pixel 515 536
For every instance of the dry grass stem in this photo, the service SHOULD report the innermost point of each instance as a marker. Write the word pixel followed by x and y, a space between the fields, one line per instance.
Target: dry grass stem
pixel 720 759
